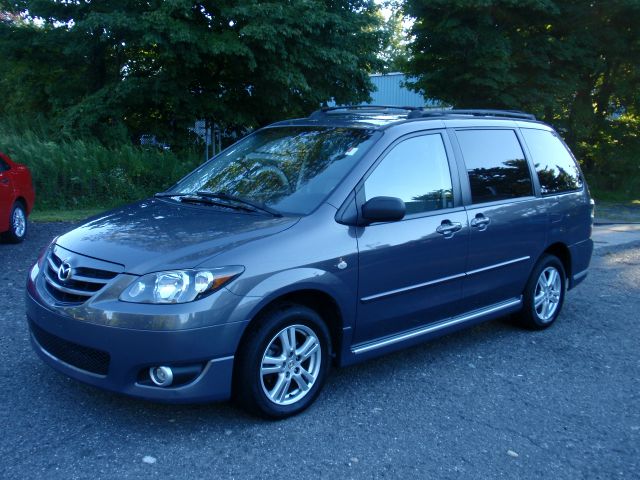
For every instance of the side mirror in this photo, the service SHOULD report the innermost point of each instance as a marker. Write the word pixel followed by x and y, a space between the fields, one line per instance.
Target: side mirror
pixel 383 209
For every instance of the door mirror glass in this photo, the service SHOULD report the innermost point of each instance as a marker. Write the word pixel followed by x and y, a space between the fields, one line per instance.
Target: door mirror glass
pixel 383 209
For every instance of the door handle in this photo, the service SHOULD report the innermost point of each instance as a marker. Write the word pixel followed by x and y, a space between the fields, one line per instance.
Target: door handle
pixel 448 228
pixel 4 181
pixel 480 222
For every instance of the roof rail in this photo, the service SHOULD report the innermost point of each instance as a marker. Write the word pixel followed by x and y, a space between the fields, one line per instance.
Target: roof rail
pixel 472 112
pixel 325 110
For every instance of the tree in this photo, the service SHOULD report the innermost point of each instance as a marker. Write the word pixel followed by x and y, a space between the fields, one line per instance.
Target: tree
pixel 99 67
pixel 396 43
pixel 573 62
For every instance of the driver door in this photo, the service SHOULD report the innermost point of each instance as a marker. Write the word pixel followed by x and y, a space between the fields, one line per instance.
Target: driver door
pixel 411 271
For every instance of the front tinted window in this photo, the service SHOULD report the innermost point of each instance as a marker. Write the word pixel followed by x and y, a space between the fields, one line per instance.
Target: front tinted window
pixel 557 171
pixel 496 165
pixel 291 169
pixel 417 171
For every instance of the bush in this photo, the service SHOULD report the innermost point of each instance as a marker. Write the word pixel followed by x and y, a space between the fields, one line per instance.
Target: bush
pixel 84 173
pixel 613 161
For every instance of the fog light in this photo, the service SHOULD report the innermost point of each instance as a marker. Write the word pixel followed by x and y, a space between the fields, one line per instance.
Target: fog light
pixel 161 376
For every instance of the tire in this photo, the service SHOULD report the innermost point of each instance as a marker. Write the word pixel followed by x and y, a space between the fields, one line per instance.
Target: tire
pixel 17 224
pixel 268 381
pixel 544 294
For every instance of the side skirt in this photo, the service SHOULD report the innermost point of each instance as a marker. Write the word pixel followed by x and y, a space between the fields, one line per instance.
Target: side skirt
pixel 381 346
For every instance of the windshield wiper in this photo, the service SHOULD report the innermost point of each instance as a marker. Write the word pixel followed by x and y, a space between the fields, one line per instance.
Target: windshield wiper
pixel 232 198
pixel 210 197
pixel 168 194
pixel 197 198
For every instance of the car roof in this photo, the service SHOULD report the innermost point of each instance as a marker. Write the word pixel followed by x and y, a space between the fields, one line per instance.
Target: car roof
pixel 374 117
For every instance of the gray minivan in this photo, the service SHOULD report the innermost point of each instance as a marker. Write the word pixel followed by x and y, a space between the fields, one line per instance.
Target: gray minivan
pixel 325 240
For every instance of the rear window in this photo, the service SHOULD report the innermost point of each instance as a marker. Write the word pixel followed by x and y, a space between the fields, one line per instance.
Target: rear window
pixel 495 164
pixel 556 168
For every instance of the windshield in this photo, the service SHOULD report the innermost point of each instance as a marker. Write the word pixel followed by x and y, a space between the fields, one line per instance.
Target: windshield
pixel 290 169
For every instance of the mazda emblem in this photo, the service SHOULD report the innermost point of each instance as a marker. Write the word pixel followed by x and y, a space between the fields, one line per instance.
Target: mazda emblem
pixel 64 272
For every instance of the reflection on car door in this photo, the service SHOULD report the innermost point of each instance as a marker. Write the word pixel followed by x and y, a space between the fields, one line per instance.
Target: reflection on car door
pixel 411 271
pixel 507 222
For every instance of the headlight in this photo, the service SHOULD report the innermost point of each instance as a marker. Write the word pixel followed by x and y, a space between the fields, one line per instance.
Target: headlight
pixel 35 270
pixel 45 251
pixel 179 286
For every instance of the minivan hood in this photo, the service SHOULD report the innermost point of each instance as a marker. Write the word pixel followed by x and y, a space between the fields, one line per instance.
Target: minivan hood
pixel 156 234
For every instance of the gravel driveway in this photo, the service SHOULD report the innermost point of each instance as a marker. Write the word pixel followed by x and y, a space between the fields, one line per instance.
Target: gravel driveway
pixel 491 402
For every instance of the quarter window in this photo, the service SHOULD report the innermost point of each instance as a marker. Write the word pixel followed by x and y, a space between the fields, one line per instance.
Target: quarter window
pixel 556 169
pixel 496 165
pixel 417 171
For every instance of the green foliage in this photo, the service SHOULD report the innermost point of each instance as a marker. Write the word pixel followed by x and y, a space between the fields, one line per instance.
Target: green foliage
pixel 114 69
pixel 396 50
pixel 85 174
pixel 615 161
pixel 574 63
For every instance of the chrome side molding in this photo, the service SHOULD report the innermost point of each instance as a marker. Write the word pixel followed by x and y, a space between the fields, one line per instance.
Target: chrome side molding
pixel 441 280
pixel 412 287
pixel 498 265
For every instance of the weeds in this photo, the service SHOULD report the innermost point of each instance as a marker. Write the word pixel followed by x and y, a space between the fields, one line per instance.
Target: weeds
pixel 85 174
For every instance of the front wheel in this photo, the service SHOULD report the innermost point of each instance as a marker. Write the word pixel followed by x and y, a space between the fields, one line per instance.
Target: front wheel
pixel 282 364
pixel 544 293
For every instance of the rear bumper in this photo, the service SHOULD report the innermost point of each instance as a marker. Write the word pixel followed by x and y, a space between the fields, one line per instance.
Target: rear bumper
pixel 581 253
pixel 117 359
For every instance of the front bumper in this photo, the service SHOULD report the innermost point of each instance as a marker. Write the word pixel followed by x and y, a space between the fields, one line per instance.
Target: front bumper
pixel 116 359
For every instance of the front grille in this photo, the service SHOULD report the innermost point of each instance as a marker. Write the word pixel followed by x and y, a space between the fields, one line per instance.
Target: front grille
pixel 79 356
pixel 87 276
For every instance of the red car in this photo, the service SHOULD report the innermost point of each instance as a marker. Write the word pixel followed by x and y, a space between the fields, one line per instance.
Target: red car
pixel 16 199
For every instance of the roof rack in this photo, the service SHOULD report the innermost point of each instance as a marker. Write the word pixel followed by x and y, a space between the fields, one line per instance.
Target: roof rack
pixel 420 113
pixel 324 110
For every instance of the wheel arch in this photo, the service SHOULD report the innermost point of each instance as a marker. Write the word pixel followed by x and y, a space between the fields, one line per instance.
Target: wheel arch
pixel 562 252
pixel 23 201
pixel 318 300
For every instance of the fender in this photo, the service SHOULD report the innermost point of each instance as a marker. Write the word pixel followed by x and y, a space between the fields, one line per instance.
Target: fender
pixel 299 279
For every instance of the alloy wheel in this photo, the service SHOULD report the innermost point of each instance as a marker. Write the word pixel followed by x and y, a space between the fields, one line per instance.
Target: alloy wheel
pixel 18 222
pixel 547 294
pixel 291 364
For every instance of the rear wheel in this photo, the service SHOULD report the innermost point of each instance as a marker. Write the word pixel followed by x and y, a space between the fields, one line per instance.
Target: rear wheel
pixel 283 363
pixel 17 224
pixel 544 293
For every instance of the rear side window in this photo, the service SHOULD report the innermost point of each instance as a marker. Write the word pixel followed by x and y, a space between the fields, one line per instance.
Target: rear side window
pixel 417 171
pixel 495 164
pixel 556 168
pixel 4 166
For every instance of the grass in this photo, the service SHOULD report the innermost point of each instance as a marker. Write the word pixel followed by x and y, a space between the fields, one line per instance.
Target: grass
pixel 617 212
pixel 62 215
pixel 614 196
